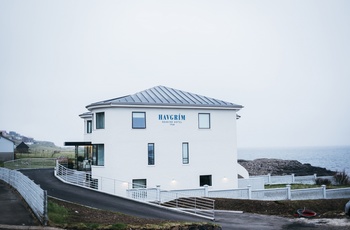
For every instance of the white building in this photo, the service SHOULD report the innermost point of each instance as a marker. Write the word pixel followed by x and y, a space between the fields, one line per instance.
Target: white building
pixel 6 149
pixel 163 136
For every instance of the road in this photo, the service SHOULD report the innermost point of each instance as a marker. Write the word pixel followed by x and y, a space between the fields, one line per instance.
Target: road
pixel 228 220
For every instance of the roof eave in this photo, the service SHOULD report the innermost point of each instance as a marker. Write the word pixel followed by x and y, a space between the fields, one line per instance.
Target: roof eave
pixel 144 105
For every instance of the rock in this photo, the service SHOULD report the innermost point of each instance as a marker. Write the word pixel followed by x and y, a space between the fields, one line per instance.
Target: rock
pixel 264 166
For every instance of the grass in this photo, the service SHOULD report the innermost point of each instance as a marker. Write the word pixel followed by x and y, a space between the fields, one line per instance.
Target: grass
pixel 73 216
pixel 57 214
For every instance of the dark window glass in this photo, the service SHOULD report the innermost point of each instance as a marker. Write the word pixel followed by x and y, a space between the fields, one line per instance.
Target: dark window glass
pixel 205 180
pixel 150 154
pixel 139 183
pixel 89 126
pixel 98 155
pixel 100 120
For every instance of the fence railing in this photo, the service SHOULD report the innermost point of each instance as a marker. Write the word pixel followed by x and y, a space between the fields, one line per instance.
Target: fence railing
pixel 30 163
pixel 35 197
pixel 258 182
pixel 188 202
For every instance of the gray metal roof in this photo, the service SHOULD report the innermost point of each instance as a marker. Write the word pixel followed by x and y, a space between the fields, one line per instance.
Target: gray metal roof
pixel 161 95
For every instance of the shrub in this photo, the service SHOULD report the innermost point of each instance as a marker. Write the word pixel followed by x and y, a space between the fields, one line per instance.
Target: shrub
pixel 323 181
pixel 341 178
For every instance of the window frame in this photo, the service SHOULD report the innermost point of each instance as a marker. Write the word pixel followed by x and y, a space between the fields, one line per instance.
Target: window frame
pixel 209 179
pixel 89 126
pixel 201 124
pixel 139 185
pixel 151 158
pixel 185 153
pixel 133 125
pixel 100 120
pixel 97 154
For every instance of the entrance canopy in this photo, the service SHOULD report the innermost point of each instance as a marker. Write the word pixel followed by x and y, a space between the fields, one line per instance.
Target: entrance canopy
pixel 77 143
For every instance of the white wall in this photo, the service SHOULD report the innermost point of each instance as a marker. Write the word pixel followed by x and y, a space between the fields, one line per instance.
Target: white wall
pixel 212 151
pixel 6 145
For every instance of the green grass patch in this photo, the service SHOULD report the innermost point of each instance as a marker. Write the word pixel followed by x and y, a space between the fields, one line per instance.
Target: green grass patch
pixel 1 164
pixel 58 215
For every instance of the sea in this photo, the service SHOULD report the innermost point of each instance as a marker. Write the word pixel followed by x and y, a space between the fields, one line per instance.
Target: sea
pixel 336 158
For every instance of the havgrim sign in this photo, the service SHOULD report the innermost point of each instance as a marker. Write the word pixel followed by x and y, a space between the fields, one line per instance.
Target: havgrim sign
pixel 172 119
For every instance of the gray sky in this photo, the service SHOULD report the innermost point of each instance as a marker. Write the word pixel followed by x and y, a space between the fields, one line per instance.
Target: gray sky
pixel 286 62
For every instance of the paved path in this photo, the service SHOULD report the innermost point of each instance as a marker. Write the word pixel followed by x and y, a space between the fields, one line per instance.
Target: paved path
pixel 13 210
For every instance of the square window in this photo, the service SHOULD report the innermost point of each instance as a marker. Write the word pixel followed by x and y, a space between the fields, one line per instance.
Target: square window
pixel 204 120
pixel 139 183
pixel 138 120
pixel 205 180
pixel 100 120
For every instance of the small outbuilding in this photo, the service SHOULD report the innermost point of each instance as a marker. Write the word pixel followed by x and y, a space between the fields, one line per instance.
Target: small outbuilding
pixel 22 148
pixel 6 149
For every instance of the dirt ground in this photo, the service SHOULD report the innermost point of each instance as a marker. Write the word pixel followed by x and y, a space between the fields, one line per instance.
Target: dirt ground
pixel 327 208
pixel 333 208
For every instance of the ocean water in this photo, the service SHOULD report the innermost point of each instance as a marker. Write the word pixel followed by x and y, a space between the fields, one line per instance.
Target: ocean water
pixel 333 158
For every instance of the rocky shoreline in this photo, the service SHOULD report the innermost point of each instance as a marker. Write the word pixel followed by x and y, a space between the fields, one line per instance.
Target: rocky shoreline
pixel 275 167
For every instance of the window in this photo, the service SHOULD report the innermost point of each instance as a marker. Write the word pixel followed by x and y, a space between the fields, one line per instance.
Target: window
pixel 205 180
pixel 185 153
pixel 204 120
pixel 89 126
pixel 138 120
pixel 139 183
pixel 100 120
pixel 151 154
pixel 98 155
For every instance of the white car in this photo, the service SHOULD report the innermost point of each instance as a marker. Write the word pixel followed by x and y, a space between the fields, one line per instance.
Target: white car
pixel 347 208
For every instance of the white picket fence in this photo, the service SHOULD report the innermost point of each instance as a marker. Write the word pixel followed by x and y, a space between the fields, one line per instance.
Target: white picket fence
pixel 35 197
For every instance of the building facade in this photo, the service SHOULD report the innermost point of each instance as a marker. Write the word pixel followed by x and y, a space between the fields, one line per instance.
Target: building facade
pixel 6 149
pixel 163 136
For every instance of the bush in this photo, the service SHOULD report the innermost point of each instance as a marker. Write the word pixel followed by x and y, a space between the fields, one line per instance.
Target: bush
pixel 341 178
pixel 323 181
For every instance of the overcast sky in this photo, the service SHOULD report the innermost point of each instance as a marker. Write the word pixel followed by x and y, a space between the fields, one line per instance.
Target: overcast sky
pixel 286 62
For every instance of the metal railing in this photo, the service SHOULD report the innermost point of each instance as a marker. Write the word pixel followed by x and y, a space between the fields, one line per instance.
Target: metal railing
pixel 187 201
pixel 35 197
pixel 190 201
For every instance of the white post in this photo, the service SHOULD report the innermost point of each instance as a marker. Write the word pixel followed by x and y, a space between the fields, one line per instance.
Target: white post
pixel 269 178
pixel 293 178
pixel 158 194
pixel 206 190
pixel 289 194
pixel 324 191
pixel 249 192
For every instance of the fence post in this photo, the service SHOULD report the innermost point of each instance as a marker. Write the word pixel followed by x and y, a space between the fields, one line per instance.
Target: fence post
pixel 324 191
pixel 206 191
pixel 293 178
pixel 269 178
pixel 315 177
pixel 249 192
pixel 45 214
pixel 158 194
pixel 289 194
